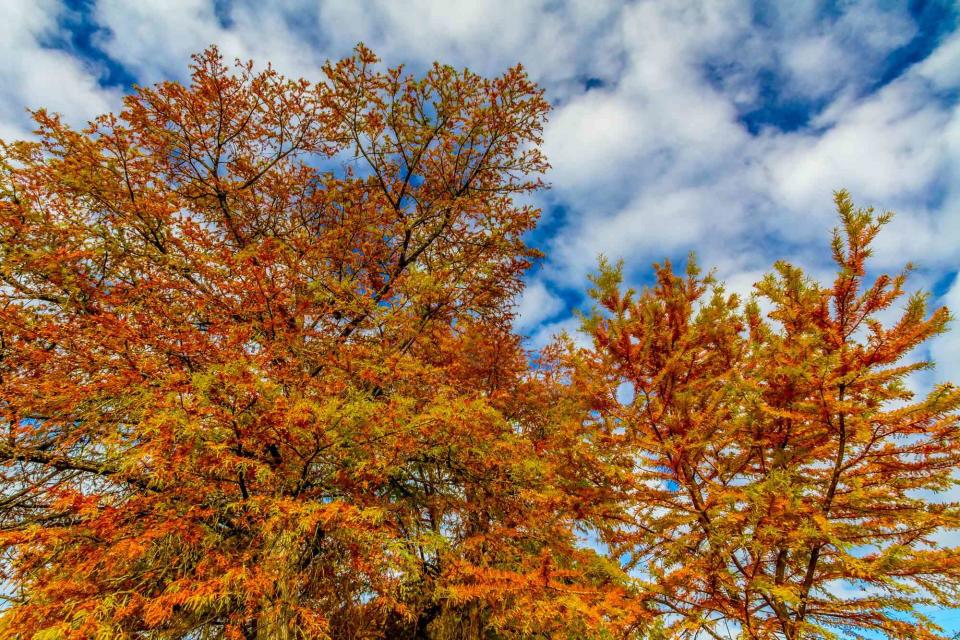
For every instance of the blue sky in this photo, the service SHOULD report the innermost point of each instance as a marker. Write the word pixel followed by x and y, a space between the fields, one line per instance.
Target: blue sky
pixel 719 126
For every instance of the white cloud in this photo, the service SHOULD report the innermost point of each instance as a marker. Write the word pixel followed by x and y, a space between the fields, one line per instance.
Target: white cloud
pixel 535 305
pixel 35 76
pixel 686 173
pixel 549 331
pixel 659 223
pixel 806 59
pixel 155 38
pixel 556 42
pixel 883 148
pixel 941 67
pixel 591 138
pixel 141 34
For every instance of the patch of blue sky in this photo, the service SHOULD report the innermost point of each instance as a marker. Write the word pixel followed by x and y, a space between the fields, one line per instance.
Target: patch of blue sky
pixel 78 35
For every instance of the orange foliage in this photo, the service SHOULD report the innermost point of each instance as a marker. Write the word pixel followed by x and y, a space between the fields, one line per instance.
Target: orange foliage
pixel 777 477
pixel 258 379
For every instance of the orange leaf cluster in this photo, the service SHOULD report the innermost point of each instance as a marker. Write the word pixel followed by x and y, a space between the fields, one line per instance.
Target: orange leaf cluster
pixel 776 475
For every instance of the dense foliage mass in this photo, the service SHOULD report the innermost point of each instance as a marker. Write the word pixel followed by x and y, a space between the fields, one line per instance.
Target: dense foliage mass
pixel 258 379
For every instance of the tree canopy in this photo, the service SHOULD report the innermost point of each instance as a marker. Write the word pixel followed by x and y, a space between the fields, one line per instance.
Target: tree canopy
pixel 259 379
pixel 778 472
